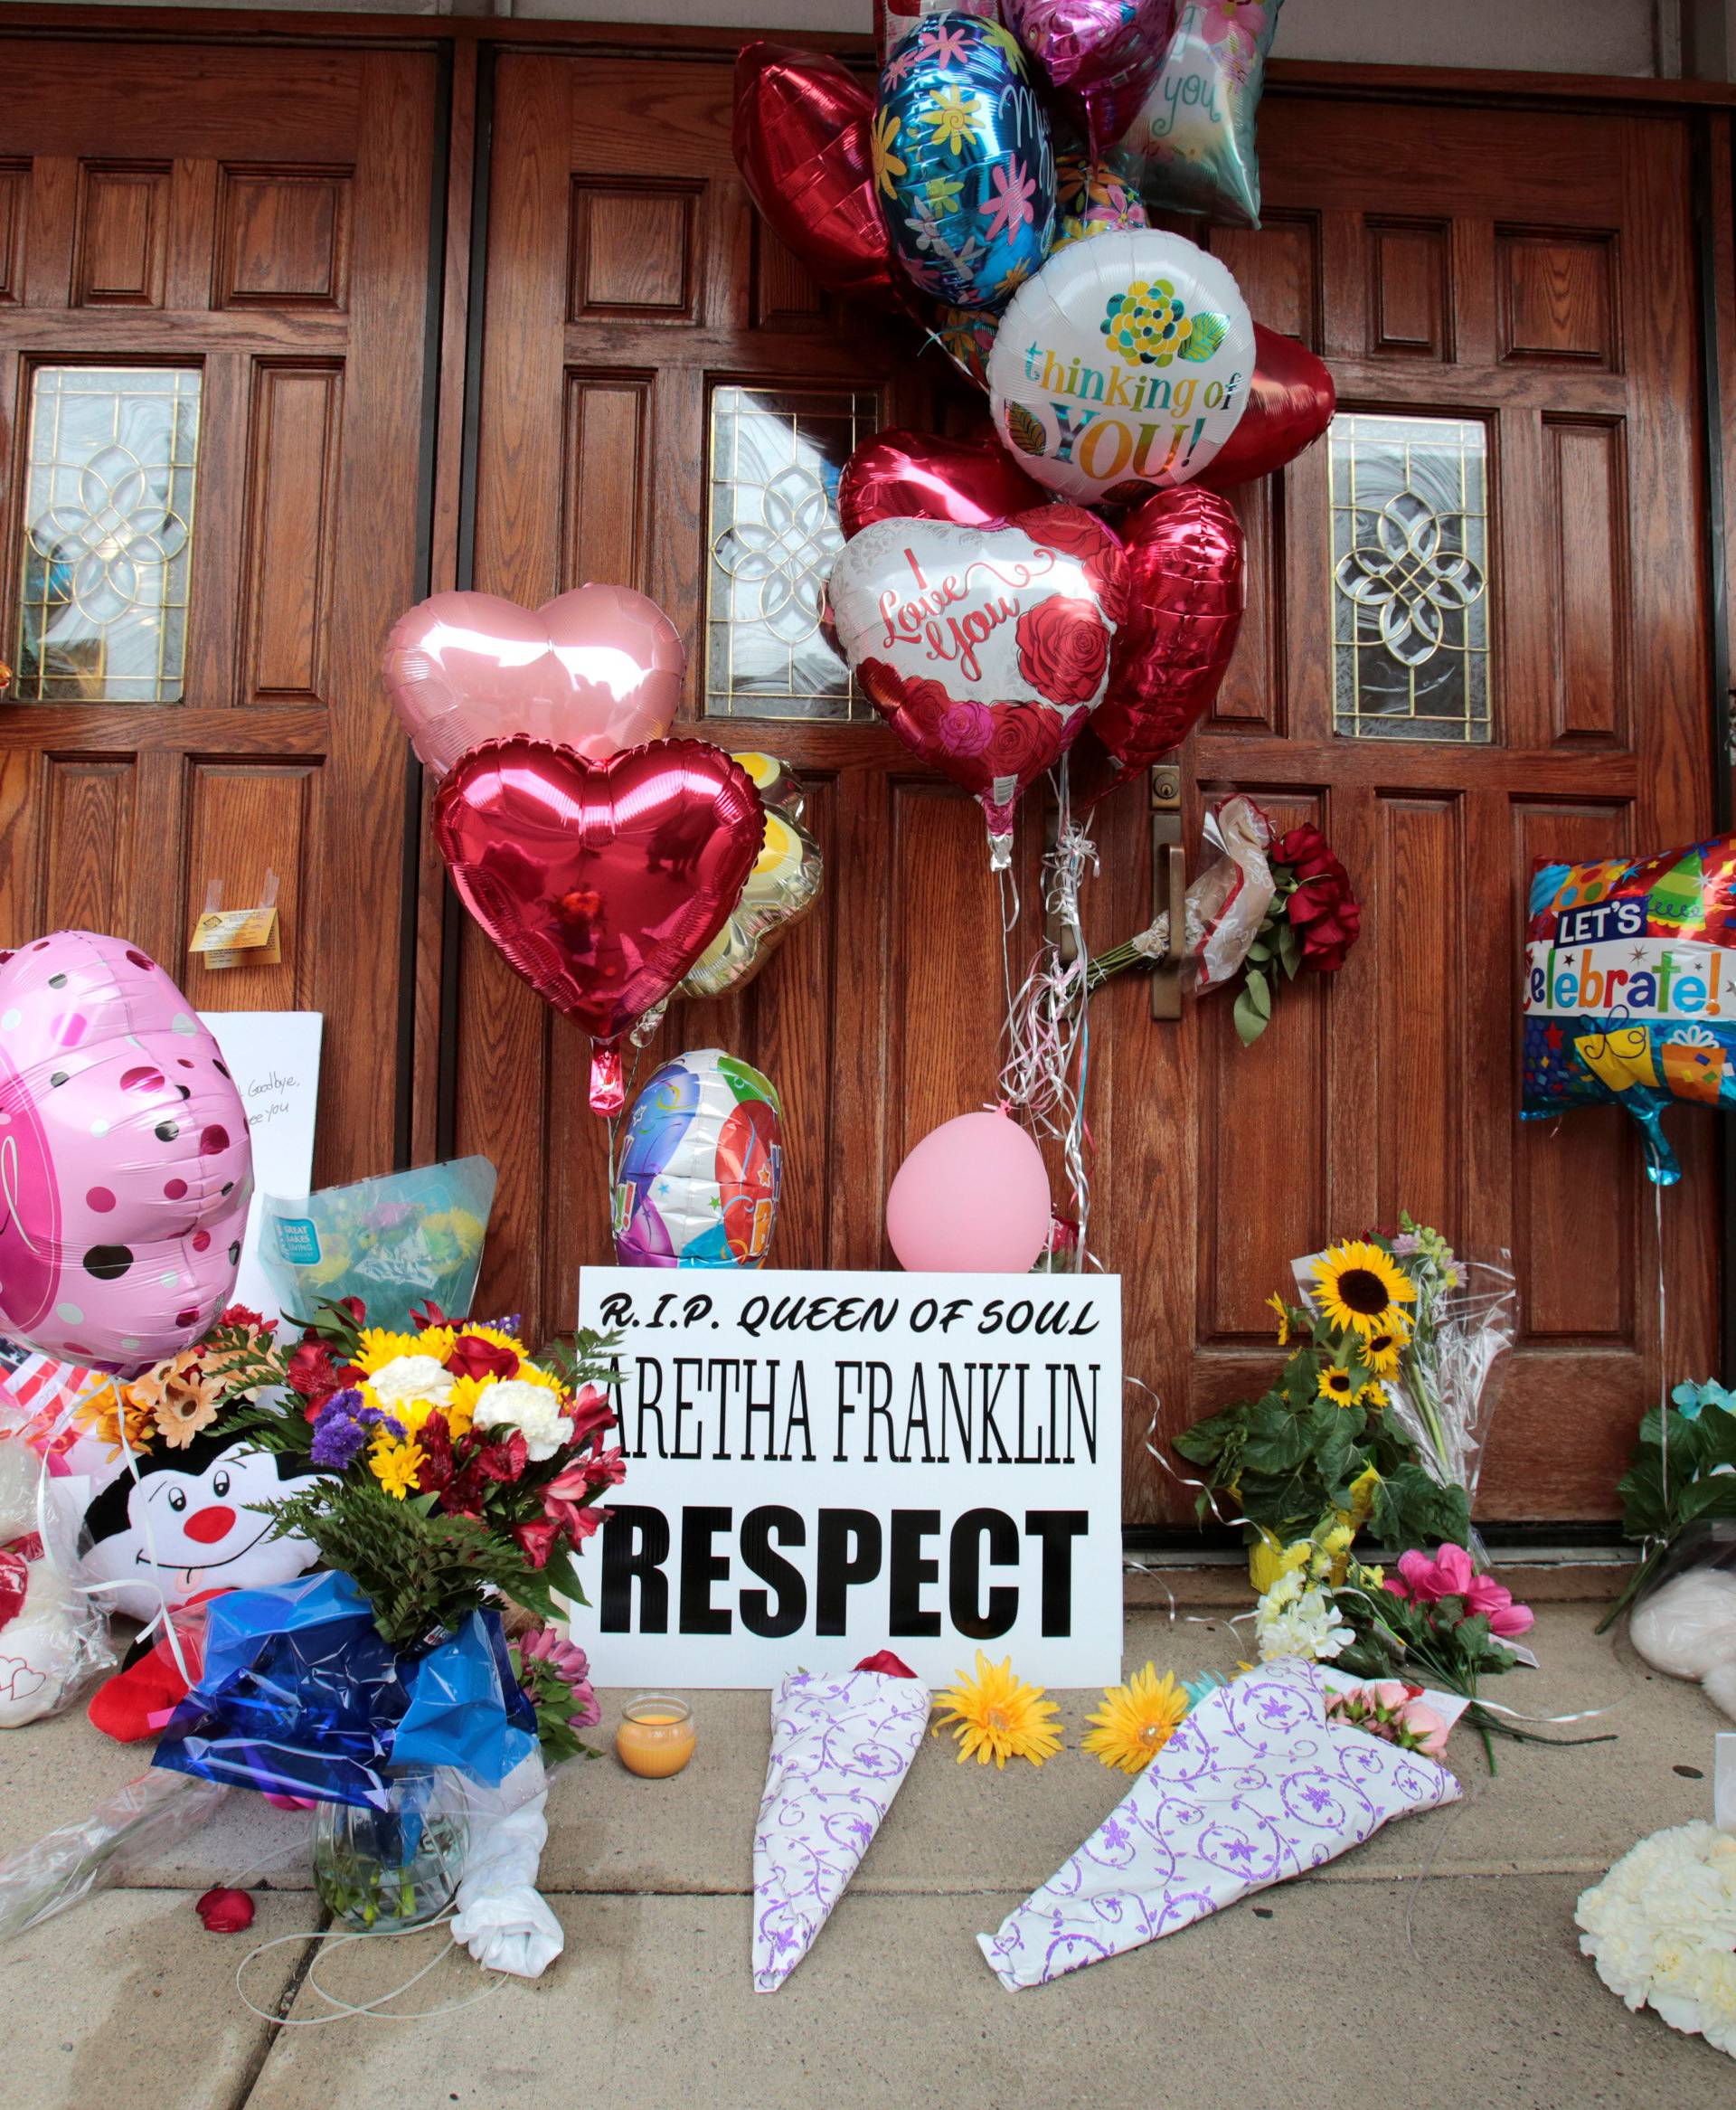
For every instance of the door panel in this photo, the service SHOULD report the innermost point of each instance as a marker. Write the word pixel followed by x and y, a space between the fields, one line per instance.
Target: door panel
pixel 1520 280
pixel 259 225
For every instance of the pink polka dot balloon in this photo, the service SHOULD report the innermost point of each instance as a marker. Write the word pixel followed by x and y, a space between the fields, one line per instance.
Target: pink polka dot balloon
pixel 125 1162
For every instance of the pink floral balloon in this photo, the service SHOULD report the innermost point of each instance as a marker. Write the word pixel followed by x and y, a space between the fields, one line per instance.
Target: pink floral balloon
pixel 596 670
pixel 126 1166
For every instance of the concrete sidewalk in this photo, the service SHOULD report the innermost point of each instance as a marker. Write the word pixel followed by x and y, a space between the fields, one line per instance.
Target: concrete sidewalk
pixel 1437 1967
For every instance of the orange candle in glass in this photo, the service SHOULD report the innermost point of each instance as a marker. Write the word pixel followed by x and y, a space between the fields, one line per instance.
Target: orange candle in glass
pixel 656 1737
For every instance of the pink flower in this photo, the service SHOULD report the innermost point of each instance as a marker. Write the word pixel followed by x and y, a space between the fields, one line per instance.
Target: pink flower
pixel 944 47
pixel 1422 1581
pixel 965 729
pixel 225 1911
pixel 1420 1721
pixel 1009 204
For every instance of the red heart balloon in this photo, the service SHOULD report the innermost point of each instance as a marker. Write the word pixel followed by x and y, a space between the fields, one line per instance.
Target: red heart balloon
pixel 895 475
pixel 801 141
pixel 602 882
pixel 1182 554
pixel 1289 405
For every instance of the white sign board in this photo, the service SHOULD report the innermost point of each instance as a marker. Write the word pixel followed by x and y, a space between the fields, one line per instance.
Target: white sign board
pixel 274 1059
pixel 821 1465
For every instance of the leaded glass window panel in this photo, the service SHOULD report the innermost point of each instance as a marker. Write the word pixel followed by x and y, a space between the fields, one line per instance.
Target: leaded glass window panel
pixel 108 534
pixel 1411 578
pixel 775 459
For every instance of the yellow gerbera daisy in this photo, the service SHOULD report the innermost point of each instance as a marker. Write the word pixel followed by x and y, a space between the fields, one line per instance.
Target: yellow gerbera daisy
pixel 994 1716
pixel 395 1465
pixel 1337 1385
pixel 1137 1719
pixel 1358 1287
pixel 1278 1305
pixel 378 1347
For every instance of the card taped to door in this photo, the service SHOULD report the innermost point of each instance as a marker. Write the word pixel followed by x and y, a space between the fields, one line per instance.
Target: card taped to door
pixel 228 936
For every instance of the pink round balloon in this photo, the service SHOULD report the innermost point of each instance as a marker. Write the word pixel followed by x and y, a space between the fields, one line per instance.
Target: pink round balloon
pixel 971 1198
pixel 125 1166
pixel 596 670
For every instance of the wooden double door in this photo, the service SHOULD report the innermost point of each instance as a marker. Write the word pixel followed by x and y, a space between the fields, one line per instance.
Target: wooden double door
pixel 1476 634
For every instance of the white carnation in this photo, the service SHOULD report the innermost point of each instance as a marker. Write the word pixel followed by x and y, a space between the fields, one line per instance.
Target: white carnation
pixel 1661 1928
pixel 1305 1622
pixel 533 1409
pixel 408 1378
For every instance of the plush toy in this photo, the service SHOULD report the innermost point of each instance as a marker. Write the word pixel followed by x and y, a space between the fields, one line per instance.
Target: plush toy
pixel 177 1524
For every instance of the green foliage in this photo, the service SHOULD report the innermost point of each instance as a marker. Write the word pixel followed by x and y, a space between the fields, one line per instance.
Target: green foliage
pixel 1659 1502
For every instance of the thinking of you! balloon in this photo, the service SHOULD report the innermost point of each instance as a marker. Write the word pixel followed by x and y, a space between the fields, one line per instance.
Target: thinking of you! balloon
pixel 126 1166
pixel 1123 366
pixel 1630 987
pixel 701 1167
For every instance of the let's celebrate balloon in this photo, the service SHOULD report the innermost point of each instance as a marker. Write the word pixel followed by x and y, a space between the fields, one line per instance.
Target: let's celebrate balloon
pixel 1122 367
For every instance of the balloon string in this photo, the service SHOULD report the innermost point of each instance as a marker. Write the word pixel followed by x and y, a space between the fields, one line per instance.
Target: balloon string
pixel 1199 1486
pixel 1663 1357
pixel 368 2011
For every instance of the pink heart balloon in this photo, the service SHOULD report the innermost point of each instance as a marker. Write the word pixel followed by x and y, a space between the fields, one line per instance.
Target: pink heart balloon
pixel 600 883
pixel 126 1164
pixel 596 670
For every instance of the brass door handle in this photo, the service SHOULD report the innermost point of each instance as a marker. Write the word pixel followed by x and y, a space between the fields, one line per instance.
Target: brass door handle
pixel 1168 888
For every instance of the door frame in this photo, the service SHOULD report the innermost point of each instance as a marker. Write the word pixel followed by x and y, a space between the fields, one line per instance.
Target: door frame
pixel 468 48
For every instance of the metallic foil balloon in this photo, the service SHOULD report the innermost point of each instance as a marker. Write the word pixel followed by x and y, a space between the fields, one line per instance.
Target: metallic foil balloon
pixel 1289 407
pixel 962 162
pixel 1093 197
pixel 1193 134
pixel 126 1164
pixel 1182 552
pixel 984 648
pixel 898 475
pixel 701 1167
pixel 1103 54
pixel 782 887
pixel 599 882
pixel 1122 367
pixel 801 141
pixel 895 19
pixel 596 670
pixel 1630 987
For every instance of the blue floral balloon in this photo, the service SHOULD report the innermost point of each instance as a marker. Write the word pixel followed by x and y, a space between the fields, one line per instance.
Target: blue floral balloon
pixel 963 166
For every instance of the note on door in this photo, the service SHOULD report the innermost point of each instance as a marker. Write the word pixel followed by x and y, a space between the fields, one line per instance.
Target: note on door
pixel 274 1059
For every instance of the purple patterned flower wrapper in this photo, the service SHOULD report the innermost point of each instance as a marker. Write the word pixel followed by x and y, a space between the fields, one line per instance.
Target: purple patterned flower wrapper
pixel 840 1749
pixel 1254 1787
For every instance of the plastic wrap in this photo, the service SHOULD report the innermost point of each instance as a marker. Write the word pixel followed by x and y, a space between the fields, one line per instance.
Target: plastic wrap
pixel 1224 906
pixel 145 1818
pixel 53 1633
pixel 1684 1623
pixel 395 1242
pixel 1450 1376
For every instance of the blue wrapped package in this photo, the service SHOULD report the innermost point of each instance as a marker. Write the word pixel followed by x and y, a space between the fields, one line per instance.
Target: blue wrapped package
pixel 299 1696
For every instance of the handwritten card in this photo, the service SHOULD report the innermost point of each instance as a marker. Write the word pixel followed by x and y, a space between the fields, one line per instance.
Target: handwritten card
pixel 274 1059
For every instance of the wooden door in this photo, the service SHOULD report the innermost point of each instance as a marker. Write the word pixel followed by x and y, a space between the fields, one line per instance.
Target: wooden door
pixel 213 313
pixel 663 400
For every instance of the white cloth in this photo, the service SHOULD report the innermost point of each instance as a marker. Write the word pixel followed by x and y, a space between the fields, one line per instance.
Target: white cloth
pixel 501 1918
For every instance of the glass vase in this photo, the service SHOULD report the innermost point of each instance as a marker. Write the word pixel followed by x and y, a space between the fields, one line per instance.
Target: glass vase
pixel 395 1867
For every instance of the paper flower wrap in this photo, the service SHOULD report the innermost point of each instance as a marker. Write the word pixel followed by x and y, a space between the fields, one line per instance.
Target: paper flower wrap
pixel 1255 1786
pixel 840 1749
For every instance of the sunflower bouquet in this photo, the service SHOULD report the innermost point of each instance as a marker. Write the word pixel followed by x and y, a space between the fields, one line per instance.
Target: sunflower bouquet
pixel 1327 1445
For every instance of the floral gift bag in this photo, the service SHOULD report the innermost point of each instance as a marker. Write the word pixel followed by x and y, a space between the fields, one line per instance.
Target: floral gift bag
pixel 1255 1786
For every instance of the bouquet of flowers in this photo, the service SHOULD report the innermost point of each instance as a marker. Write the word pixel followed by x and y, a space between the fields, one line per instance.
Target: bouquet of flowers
pixel 1325 1446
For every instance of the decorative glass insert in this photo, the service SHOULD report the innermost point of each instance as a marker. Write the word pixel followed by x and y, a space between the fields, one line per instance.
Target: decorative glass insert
pixel 1411 577
pixel 108 534
pixel 775 455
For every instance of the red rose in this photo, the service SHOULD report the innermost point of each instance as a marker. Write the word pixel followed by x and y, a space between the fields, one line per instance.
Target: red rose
pixel 1063 649
pixel 1026 740
pixel 1321 907
pixel 472 1356
pixel 1080 535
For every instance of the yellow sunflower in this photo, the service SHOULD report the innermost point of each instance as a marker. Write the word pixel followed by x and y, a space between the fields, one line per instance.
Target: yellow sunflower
pixel 888 166
pixel 436 1341
pixel 1383 1346
pixel 1373 1394
pixel 1137 1719
pixel 1337 1385
pixel 953 118
pixel 494 1334
pixel 994 1716
pixel 1278 1305
pixel 395 1465
pixel 1358 1287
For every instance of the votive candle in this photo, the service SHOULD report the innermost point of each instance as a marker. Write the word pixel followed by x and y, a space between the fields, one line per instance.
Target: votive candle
pixel 656 1737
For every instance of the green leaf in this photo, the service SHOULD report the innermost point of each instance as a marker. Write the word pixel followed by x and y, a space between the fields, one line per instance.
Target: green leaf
pixel 1290 947
pixel 1253 1010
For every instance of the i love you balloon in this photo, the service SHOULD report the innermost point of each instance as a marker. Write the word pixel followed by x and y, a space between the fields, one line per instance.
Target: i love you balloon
pixel 983 648
pixel 596 670
pixel 126 1166
pixel 599 882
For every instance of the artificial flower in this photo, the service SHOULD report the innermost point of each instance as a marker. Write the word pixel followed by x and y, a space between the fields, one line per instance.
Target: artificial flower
pixel 396 1464
pixel 1692 1399
pixel 1452 1574
pixel 534 1409
pixel 1337 1385
pixel 1359 1287
pixel 1137 1720
pixel 1278 1305
pixel 994 1716
pixel 119 1420
pixel 1660 1928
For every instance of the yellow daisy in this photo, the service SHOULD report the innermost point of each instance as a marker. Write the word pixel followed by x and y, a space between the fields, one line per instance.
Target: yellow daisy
pixel 378 1347
pixel 1358 1287
pixel 953 118
pixel 1278 1305
pixel 994 1716
pixel 1337 1385
pixel 395 1465
pixel 436 1342
pixel 1137 1719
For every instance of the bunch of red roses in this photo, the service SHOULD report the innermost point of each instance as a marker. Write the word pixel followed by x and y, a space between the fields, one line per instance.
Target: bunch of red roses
pixel 1313 921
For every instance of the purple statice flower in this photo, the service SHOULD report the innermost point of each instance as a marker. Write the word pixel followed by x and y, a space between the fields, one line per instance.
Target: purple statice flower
pixel 342 1427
